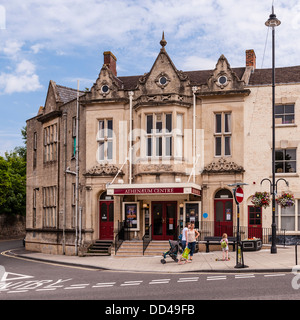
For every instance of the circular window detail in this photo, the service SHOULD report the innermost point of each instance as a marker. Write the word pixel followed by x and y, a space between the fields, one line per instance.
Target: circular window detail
pixel 105 89
pixel 222 80
pixel 163 80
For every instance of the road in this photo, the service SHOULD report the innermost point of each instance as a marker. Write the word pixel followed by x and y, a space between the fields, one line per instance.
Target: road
pixel 22 279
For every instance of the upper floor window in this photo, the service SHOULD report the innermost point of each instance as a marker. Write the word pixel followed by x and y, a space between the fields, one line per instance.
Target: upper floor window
pixel 285 114
pixel 222 134
pixel 159 134
pixel 105 140
pixel 74 137
pixel 285 161
pixel 50 143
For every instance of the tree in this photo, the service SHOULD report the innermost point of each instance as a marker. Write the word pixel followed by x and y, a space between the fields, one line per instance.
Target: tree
pixel 13 181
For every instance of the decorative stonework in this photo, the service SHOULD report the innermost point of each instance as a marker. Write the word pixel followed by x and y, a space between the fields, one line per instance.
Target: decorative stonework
pixel 152 169
pixel 223 166
pixel 103 170
pixel 157 167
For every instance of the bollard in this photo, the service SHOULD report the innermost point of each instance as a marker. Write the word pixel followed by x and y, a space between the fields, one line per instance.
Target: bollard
pixel 296 253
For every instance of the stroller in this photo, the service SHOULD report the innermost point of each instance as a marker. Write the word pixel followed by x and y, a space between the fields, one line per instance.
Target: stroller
pixel 175 246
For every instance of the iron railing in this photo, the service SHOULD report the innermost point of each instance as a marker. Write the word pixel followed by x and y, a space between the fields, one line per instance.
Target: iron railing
pixel 147 238
pixel 212 228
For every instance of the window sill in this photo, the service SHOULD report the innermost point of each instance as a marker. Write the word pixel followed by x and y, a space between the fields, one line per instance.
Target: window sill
pixel 283 175
pixel 285 125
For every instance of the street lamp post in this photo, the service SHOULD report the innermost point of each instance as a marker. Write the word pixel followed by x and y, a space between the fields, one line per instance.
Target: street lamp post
pixel 273 22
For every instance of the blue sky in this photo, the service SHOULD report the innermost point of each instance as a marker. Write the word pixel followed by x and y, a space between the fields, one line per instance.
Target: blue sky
pixel 64 41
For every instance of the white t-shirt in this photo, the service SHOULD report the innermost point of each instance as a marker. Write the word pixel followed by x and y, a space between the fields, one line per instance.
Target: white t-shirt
pixel 183 233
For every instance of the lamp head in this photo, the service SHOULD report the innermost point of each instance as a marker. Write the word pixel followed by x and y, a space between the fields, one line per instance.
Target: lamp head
pixel 272 22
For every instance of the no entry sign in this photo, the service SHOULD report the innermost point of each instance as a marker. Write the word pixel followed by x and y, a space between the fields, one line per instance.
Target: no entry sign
pixel 239 195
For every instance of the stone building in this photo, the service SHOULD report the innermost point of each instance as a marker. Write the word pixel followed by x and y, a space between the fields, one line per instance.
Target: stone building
pixel 156 151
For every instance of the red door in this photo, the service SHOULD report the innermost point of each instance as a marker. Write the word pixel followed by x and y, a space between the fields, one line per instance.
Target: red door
pixel 223 217
pixel 254 222
pixel 164 220
pixel 106 219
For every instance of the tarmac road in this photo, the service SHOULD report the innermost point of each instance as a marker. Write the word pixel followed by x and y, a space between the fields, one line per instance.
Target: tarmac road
pixel 35 280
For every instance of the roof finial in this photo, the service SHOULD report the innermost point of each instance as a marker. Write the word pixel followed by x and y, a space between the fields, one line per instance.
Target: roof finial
pixel 163 42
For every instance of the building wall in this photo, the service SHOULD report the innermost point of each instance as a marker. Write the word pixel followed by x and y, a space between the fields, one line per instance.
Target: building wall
pixel 258 143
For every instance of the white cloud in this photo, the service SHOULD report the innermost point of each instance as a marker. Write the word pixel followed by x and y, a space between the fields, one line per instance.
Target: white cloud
pixel 23 79
pixel 36 48
pixel 12 48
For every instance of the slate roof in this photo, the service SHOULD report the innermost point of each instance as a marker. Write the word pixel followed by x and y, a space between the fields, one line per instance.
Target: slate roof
pixel 258 77
pixel 66 94
pixel 200 77
pixel 282 75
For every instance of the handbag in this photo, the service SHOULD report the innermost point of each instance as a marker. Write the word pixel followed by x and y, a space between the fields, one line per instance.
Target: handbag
pixel 186 252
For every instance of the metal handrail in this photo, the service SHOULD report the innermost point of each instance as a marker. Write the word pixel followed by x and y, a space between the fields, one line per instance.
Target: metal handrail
pixel 120 236
pixel 147 238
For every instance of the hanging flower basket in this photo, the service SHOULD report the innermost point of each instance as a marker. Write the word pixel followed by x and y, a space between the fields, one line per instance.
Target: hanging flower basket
pixel 261 199
pixel 286 200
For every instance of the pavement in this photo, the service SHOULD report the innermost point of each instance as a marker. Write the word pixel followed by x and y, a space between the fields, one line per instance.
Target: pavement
pixel 256 261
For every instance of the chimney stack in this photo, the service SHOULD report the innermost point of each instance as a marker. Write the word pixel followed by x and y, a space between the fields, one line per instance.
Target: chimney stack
pixel 251 59
pixel 110 61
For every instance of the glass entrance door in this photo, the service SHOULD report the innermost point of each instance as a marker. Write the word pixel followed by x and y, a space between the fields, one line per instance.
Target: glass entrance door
pixel 164 219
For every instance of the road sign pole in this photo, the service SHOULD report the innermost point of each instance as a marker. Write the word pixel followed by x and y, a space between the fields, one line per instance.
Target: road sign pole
pixel 238 197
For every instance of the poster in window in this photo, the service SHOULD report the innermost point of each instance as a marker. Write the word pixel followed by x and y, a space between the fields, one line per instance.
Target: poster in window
pixel 131 215
pixel 228 214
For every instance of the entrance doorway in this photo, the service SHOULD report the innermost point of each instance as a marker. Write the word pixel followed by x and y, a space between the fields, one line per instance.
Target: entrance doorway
pixel 223 206
pixel 106 220
pixel 254 222
pixel 164 219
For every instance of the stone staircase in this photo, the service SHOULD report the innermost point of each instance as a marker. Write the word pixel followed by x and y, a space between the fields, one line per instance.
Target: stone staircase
pixel 100 248
pixel 135 248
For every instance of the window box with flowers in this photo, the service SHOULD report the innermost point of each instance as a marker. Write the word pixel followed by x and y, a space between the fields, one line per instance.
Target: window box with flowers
pixel 261 199
pixel 286 200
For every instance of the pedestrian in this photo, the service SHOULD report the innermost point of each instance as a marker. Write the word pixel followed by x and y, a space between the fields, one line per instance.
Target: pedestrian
pixel 184 235
pixel 183 240
pixel 192 235
pixel 224 246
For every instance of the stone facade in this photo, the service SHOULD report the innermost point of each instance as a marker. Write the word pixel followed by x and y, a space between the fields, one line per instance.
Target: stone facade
pixel 193 133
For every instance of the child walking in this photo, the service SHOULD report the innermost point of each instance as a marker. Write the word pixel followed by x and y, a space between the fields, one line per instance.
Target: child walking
pixel 224 246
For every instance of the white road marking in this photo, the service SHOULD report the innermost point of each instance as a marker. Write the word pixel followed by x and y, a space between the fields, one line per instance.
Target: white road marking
pixel 131 283
pixel 244 276
pixel 159 281
pixel 209 278
pixel 104 284
pixel 188 279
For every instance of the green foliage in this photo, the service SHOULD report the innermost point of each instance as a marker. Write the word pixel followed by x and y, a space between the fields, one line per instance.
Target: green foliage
pixel 13 181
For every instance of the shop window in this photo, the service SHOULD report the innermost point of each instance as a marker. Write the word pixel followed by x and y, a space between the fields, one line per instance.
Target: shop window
pixel 131 215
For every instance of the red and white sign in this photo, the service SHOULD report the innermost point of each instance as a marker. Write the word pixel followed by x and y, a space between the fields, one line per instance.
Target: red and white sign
pixel 239 195
pixel 155 190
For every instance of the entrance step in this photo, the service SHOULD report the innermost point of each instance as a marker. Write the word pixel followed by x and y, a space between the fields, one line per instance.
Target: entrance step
pixel 157 248
pixel 135 248
pixel 100 248
pixel 130 248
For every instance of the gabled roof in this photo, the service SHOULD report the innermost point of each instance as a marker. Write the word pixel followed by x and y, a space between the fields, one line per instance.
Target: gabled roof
pixel 66 94
pixel 258 77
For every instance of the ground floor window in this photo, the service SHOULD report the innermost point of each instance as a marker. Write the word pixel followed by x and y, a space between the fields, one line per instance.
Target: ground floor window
pixel 131 215
pixel 49 206
pixel 288 218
